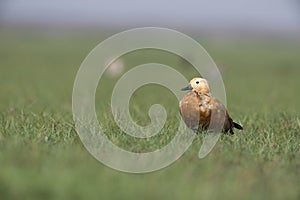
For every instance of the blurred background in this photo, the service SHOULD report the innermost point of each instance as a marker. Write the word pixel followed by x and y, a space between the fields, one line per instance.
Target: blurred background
pixel 281 17
pixel 255 44
pixel 243 37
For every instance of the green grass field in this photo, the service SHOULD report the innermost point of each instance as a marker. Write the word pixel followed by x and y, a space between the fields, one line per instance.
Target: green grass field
pixel 42 157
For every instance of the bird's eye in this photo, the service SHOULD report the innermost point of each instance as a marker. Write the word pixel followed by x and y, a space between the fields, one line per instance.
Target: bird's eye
pixel 197 82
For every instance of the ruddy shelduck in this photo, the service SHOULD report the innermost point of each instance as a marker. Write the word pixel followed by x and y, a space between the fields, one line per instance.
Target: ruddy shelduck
pixel 200 110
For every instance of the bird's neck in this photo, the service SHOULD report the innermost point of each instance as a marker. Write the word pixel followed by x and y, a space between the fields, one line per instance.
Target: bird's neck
pixel 204 96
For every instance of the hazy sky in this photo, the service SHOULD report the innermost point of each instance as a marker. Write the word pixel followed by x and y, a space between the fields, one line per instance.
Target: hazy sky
pixel 259 14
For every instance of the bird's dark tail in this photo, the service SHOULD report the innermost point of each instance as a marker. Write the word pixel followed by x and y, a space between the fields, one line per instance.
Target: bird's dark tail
pixel 236 125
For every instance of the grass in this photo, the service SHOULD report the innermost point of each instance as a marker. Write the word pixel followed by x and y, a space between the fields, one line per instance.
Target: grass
pixel 41 156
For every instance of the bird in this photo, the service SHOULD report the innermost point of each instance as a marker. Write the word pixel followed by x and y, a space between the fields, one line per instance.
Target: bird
pixel 200 110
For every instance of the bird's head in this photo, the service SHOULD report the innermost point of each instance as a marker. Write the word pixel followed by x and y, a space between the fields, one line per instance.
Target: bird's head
pixel 199 85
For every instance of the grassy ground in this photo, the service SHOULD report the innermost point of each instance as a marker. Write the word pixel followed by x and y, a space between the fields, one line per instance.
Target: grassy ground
pixel 41 156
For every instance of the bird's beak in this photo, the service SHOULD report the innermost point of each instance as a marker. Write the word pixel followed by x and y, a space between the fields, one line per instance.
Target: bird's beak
pixel 189 87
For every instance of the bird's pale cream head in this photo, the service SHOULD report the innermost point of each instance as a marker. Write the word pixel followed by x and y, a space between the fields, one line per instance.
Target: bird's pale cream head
pixel 198 85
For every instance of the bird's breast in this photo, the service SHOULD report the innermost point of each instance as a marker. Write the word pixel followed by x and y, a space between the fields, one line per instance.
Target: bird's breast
pixel 194 111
